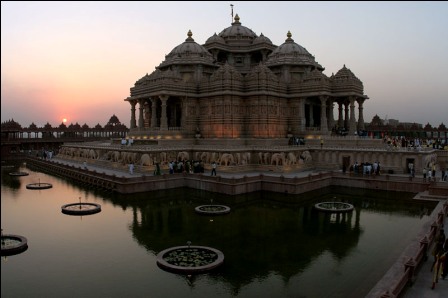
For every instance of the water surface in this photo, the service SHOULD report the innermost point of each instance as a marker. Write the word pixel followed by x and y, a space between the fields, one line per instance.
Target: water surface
pixel 275 245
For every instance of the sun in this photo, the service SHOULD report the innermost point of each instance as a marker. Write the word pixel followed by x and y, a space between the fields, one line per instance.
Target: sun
pixel 64 120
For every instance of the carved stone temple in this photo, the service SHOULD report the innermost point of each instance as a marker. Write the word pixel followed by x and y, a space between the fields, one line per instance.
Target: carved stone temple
pixel 244 103
pixel 240 85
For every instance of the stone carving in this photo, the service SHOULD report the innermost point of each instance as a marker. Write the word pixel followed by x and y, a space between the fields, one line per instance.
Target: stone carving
pixel 163 158
pixel 197 155
pixel 430 160
pixel 278 159
pixel 93 154
pixel 246 158
pixel 227 159
pixel 183 155
pixel 205 157
pixel 291 158
pixel 115 156
pixel 146 160
pixel 264 158
pixel 128 157
pixel 214 157
pixel 306 156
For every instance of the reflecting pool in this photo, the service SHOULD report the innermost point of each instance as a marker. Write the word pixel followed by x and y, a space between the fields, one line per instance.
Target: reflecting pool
pixel 275 245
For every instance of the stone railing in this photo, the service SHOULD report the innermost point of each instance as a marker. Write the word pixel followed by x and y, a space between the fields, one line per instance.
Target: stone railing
pixel 414 263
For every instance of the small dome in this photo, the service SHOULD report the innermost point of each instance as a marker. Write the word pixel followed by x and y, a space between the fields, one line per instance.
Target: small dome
pixel 316 76
pixel 291 53
pixel 315 80
pixel 11 125
pixel 113 120
pixel 345 80
pixel 188 52
pixel 262 39
pixel 289 47
pixel 215 38
pixel 47 126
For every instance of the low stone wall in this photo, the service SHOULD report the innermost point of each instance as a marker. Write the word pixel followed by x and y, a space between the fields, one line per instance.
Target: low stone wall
pixel 403 273
pixel 235 186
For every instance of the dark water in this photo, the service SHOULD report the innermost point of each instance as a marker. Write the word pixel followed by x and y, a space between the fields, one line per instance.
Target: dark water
pixel 275 245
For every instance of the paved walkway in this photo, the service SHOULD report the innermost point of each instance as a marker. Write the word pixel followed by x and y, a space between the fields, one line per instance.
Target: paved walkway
pixel 420 289
pixel 123 172
pixel 422 286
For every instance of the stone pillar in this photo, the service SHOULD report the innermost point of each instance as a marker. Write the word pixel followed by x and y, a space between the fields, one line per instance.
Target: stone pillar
pixel 302 115
pixel 163 118
pixel 154 112
pixel 330 115
pixel 340 117
pixel 311 115
pixel 352 127
pixel 133 121
pixel 323 114
pixel 346 118
pixel 141 104
pixel 360 114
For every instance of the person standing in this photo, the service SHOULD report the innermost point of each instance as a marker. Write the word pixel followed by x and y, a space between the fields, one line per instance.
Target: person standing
pixel 434 171
pixel 214 168
pixel 321 143
pixel 445 262
pixel 157 171
pixel 171 167
pixel 131 168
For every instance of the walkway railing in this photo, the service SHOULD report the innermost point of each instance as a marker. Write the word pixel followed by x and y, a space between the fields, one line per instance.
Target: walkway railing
pixel 414 263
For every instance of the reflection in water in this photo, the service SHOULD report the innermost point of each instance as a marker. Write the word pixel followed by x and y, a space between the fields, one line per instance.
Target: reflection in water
pixel 275 245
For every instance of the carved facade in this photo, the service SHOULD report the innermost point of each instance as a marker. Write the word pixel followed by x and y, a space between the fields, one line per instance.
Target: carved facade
pixel 240 85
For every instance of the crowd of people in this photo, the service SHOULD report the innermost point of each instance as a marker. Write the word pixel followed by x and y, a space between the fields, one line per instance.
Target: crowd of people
pixel 365 168
pixel 188 166
pixel 413 143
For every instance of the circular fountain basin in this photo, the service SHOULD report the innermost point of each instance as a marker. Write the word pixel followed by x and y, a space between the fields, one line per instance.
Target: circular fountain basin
pixel 81 208
pixel 18 174
pixel 189 259
pixel 39 185
pixel 212 209
pixel 334 207
pixel 13 244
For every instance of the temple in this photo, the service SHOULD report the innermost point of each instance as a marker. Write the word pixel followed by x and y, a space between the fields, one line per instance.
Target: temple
pixel 240 85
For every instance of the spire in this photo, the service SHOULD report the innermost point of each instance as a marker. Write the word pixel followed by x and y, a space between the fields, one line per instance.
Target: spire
pixel 237 20
pixel 189 34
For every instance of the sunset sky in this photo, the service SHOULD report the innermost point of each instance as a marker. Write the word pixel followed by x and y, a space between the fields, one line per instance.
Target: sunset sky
pixel 78 60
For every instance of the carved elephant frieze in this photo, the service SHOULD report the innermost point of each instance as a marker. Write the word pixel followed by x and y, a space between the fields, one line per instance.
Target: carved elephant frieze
pixel 306 156
pixel 183 156
pixel 226 159
pixel 146 160
pixel 264 158
pixel 214 157
pixel 291 158
pixel 278 159
pixel 205 157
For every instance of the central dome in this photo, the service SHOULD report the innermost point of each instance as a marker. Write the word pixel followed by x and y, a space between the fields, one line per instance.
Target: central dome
pixel 237 32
